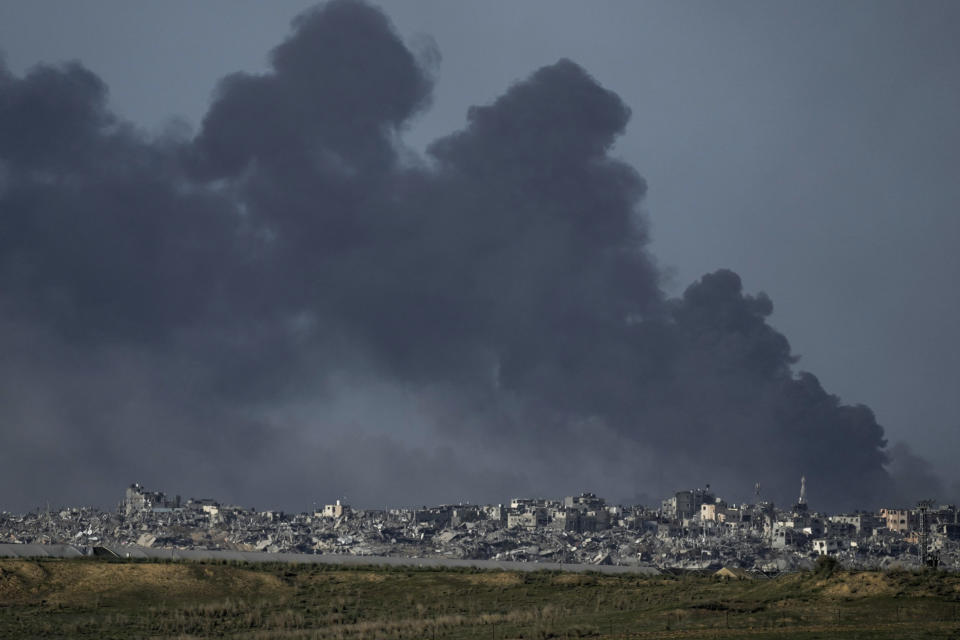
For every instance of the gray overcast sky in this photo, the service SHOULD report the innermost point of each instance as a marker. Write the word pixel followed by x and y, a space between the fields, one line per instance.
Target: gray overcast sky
pixel 812 147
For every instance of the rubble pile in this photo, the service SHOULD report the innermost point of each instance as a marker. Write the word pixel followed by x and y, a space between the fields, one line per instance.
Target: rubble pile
pixel 692 530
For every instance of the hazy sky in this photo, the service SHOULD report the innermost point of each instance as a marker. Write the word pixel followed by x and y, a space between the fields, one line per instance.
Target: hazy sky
pixel 813 148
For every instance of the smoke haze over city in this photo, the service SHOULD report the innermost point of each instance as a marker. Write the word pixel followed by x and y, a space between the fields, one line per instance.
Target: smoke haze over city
pixel 303 295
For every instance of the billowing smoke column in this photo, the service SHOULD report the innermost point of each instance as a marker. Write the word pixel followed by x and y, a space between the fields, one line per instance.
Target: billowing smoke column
pixel 169 302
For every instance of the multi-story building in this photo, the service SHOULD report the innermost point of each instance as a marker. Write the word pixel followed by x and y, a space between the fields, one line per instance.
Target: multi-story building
pixel 688 503
pixel 336 510
pixel 897 520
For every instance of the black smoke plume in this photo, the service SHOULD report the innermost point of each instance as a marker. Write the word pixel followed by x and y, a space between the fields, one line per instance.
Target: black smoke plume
pixel 290 305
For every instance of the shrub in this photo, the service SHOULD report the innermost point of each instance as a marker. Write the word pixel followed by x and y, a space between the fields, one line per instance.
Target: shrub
pixel 826 565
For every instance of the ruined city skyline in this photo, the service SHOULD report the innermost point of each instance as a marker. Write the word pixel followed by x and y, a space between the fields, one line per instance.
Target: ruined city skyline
pixel 311 283
pixel 694 529
pixel 139 497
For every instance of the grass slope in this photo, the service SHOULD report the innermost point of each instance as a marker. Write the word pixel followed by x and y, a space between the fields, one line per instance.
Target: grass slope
pixel 102 599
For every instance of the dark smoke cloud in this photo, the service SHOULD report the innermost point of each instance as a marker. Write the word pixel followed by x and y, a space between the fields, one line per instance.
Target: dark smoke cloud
pixel 915 479
pixel 291 304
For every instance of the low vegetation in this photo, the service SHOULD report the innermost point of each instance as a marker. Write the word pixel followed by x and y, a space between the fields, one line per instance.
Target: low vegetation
pixel 90 598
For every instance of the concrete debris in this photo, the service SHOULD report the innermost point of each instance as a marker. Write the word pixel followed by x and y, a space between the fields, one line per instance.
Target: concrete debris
pixel 692 530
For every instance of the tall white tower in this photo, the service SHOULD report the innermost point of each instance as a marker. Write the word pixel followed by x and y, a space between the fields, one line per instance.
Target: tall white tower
pixel 803 490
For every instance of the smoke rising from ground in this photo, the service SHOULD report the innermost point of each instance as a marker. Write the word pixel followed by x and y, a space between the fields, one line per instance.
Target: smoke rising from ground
pixel 289 305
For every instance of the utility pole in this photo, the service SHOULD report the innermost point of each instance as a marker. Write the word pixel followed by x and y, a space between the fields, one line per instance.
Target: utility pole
pixel 923 508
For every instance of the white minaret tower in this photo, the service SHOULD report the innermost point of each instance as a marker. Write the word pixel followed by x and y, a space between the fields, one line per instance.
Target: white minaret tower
pixel 803 490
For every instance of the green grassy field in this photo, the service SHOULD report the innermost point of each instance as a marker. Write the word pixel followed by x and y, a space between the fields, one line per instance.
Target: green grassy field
pixel 103 599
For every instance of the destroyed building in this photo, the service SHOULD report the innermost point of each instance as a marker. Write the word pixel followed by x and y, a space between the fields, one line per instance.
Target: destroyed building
pixel 137 499
pixel 692 529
